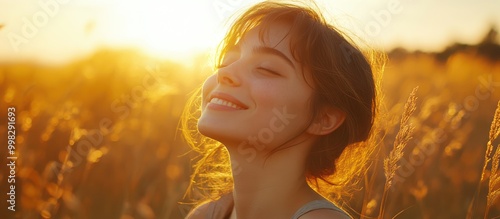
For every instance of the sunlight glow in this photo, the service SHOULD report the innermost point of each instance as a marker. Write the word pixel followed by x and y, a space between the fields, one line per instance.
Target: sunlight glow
pixel 62 30
pixel 165 28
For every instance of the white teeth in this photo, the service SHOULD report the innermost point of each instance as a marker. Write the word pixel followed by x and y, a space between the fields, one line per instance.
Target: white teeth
pixel 224 103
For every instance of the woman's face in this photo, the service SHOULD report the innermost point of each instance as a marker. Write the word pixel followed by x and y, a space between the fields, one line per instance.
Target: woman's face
pixel 258 97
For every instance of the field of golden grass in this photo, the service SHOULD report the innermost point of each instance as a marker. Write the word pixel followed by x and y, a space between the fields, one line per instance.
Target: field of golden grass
pixel 98 138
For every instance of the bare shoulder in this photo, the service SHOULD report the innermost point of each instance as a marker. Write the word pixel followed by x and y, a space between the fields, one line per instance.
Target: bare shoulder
pixel 200 211
pixel 212 209
pixel 324 214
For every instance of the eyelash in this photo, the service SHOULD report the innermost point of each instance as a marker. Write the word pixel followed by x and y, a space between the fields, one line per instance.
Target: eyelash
pixel 269 70
pixel 258 68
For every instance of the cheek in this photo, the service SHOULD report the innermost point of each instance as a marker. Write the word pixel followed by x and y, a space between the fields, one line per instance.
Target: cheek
pixel 266 94
pixel 289 99
pixel 208 86
pixel 291 95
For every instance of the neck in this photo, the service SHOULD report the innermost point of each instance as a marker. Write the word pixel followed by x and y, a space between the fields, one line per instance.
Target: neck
pixel 270 186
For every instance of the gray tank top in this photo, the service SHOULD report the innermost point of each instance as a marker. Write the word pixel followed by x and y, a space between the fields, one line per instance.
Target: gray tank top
pixel 317 204
pixel 223 207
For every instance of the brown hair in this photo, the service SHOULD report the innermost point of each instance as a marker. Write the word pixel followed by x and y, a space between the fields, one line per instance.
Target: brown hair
pixel 341 77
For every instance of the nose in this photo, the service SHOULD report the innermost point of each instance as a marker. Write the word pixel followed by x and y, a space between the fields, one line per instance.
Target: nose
pixel 227 76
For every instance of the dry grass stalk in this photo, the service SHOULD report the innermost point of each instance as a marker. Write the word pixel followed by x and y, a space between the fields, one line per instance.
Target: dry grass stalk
pixel 494 132
pixel 391 163
pixel 492 195
pixel 494 182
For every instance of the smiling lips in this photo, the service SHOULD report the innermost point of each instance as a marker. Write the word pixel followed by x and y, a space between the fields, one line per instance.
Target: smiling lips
pixel 221 101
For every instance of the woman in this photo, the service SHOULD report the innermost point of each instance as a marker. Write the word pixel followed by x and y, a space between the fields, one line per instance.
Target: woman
pixel 290 95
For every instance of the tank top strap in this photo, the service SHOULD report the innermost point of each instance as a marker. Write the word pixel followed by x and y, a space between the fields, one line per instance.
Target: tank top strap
pixel 317 204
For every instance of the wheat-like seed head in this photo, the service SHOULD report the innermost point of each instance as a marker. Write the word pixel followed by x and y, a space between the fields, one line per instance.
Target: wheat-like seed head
pixel 495 161
pixel 494 181
pixel 495 124
pixel 402 138
pixel 494 132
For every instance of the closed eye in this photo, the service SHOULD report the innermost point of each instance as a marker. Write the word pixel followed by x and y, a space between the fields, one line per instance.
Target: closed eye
pixel 269 71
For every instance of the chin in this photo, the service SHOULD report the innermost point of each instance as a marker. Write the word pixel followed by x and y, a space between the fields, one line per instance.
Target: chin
pixel 218 133
pixel 206 130
pixel 210 129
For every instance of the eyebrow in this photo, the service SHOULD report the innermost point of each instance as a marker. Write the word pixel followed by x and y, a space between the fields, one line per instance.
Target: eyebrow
pixel 265 50
pixel 272 51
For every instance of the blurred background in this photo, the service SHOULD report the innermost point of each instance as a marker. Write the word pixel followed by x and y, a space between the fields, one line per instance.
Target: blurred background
pixel 99 87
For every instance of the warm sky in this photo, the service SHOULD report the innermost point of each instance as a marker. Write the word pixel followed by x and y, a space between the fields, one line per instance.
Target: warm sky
pixel 59 30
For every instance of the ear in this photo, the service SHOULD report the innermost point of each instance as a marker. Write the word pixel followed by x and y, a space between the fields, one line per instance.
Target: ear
pixel 327 121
